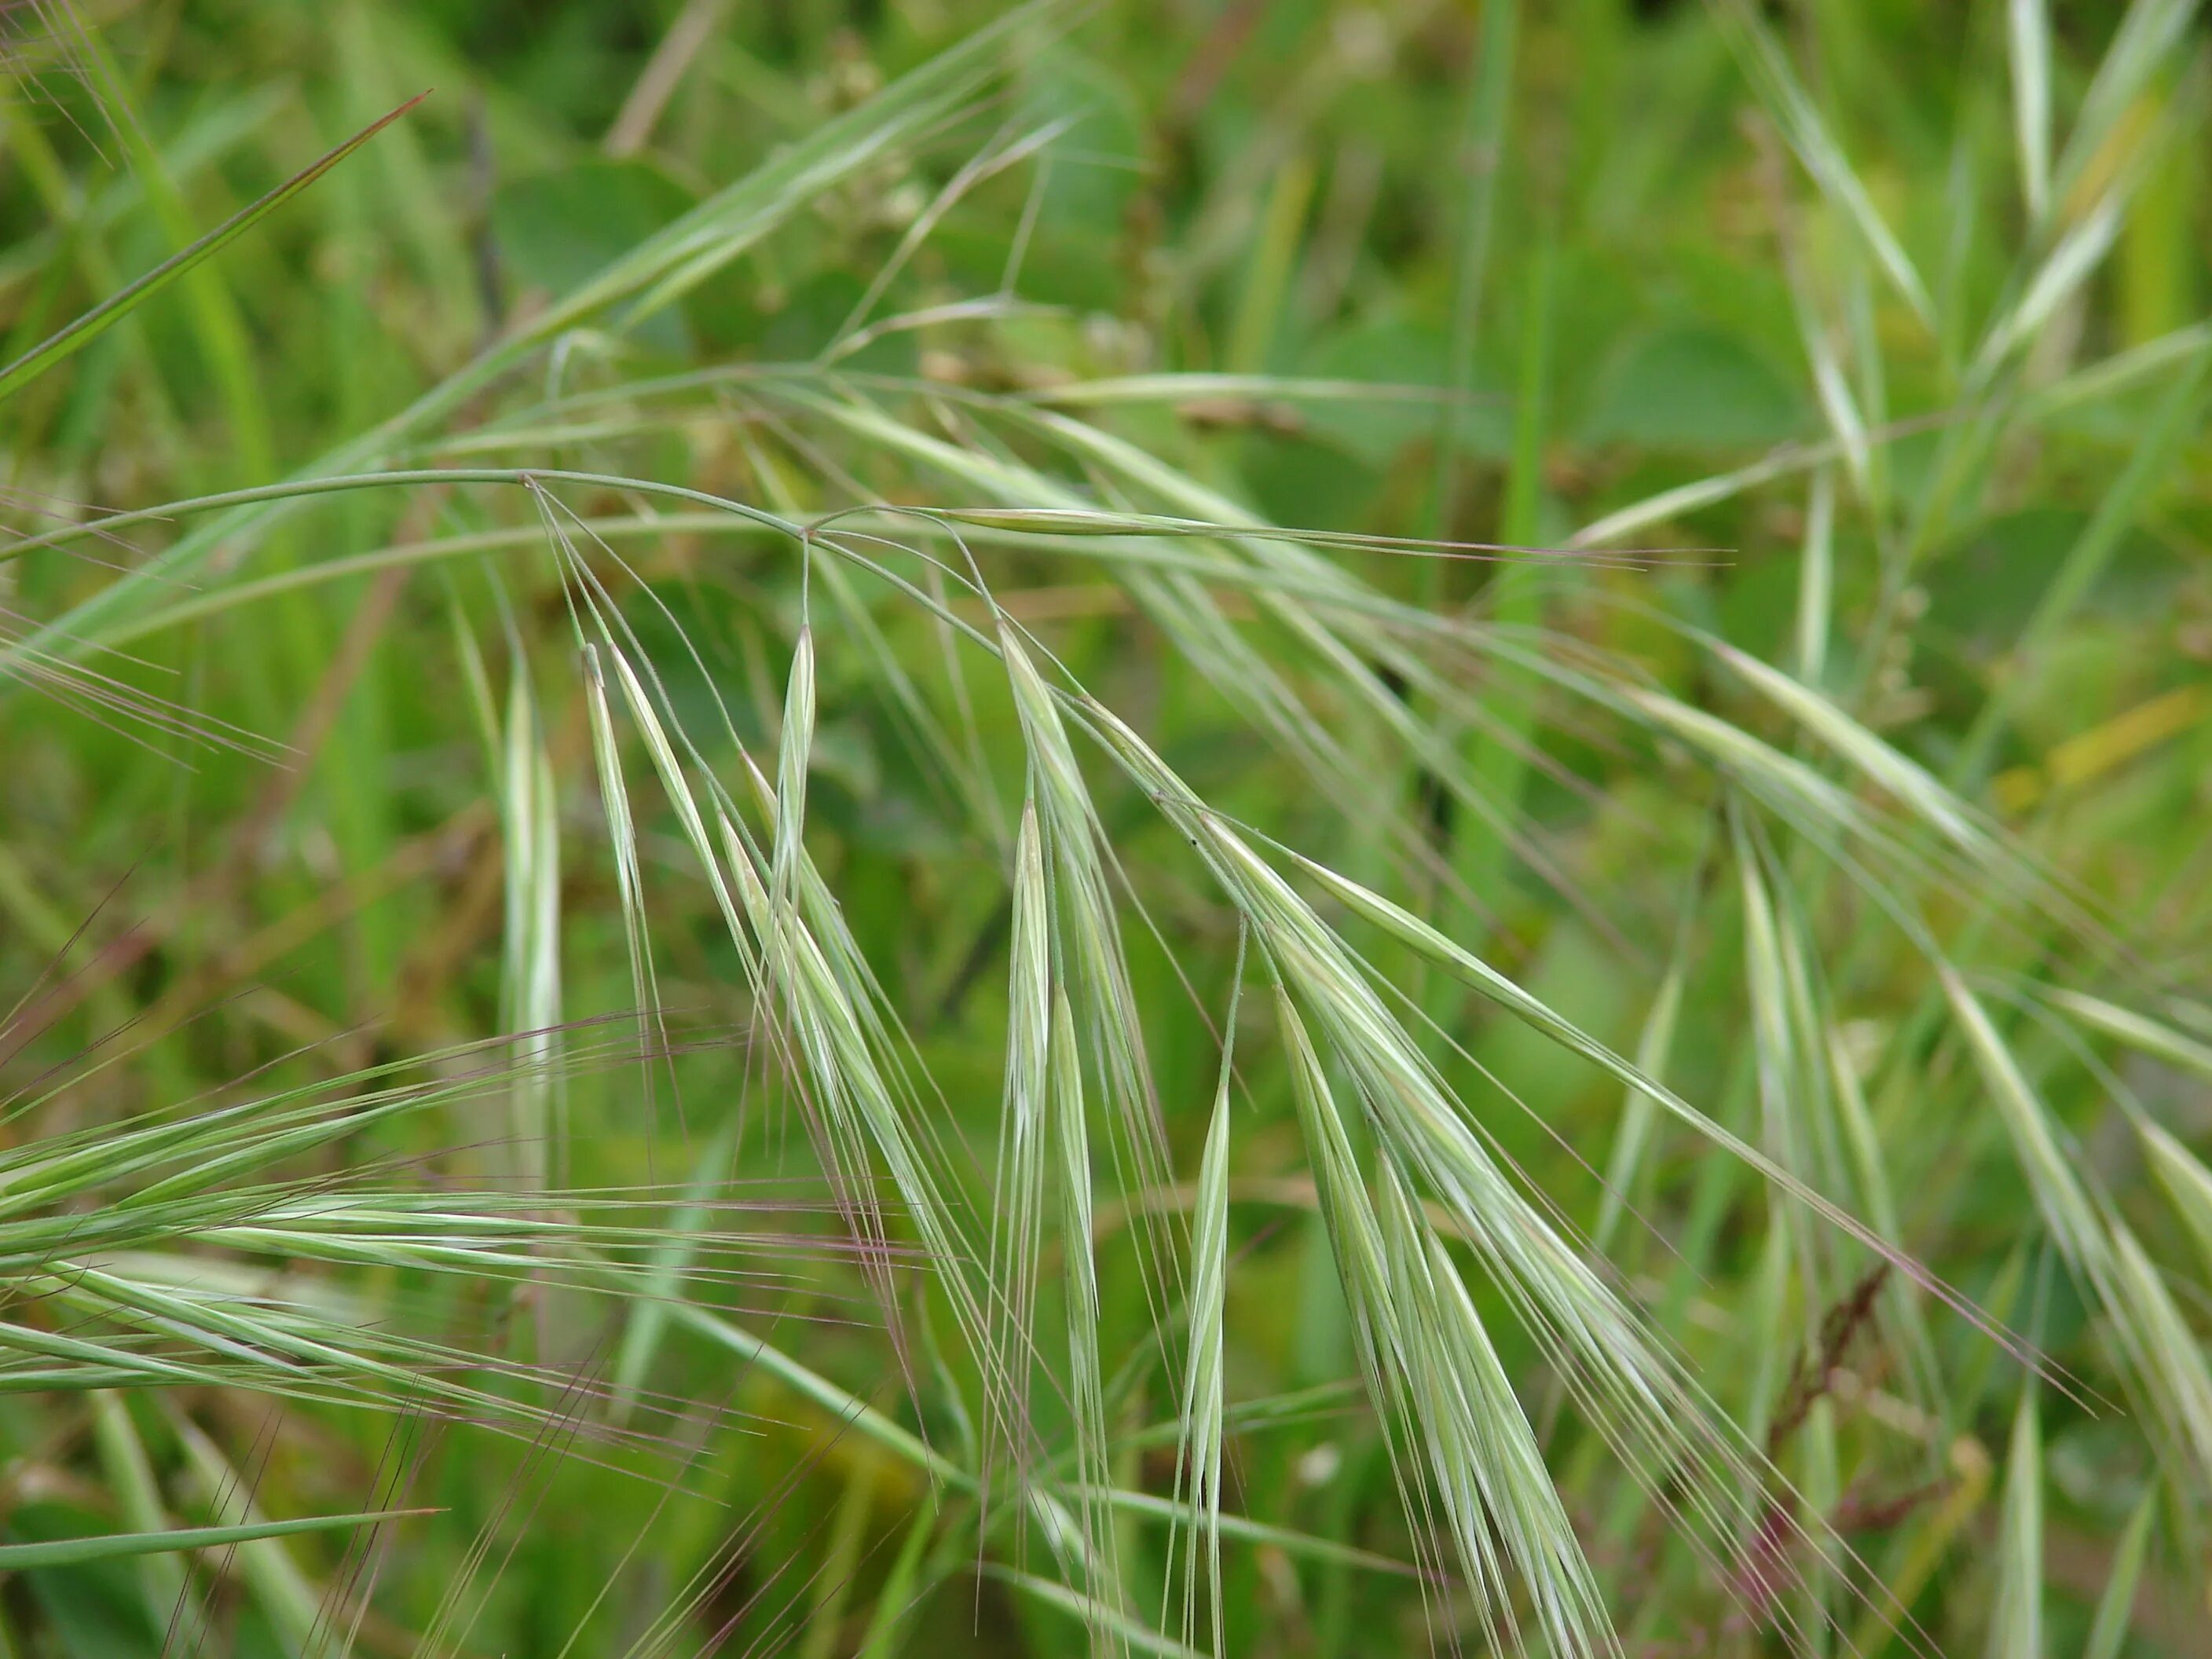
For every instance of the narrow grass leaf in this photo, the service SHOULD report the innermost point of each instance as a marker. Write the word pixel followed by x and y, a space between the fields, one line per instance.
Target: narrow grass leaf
pixel 1816 578
pixel 2016 1623
pixel 2066 1206
pixel 2027 48
pixel 2142 47
pixel 2138 1030
pixel 1776 83
pixel 1198 1454
pixel 1086 1369
pixel 108 1546
pixel 1018 1190
pixel 83 330
pixel 1639 1111
pixel 1095 1615
pixel 2188 1183
pixel 2116 1607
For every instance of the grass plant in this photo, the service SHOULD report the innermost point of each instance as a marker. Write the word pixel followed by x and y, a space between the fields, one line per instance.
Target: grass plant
pixel 1137 829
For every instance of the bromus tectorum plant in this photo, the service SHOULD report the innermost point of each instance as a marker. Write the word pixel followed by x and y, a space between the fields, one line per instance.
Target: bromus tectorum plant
pixel 1034 858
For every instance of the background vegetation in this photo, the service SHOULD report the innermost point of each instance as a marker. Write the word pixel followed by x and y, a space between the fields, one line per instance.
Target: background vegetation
pixel 654 744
